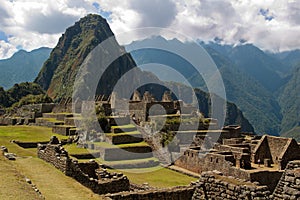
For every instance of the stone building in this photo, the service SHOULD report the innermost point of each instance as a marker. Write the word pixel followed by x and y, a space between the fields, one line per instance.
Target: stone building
pixel 276 150
pixel 143 107
pixel 238 157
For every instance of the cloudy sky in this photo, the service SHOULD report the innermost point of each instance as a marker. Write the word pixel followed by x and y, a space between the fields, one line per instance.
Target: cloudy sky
pixel 269 24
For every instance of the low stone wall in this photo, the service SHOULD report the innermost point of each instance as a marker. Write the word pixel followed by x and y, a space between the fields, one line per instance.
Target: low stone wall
pixel 289 184
pixel 135 165
pixel 119 121
pixel 123 130
pixel 269 178
pixel 176 193
pixel 8 121
pixel 87 155
pixel 124 139
pixel 85 174
pixel 27 145
pixel 89 174
pixel 71 121
pixel 210 186
pixel 55 155
pixel 62 129
pixel 129 153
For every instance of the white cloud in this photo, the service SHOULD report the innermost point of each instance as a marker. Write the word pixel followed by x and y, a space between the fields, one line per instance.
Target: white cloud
pixel 35 23
pixel 6 49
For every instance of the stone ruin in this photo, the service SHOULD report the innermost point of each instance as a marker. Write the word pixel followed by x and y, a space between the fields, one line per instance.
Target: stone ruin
pixel 252 159
pixel 90 174
pixel 140 107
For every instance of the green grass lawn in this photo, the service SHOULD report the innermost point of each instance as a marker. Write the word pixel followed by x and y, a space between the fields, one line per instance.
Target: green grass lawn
pixel 73 149
pixel 54 184
pixel 24 134
pixel 27 133
pixel 157 177
pixel 124 126
pixel 51 182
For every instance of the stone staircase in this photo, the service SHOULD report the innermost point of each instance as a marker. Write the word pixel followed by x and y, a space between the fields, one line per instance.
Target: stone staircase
pixel 61 123
pixel 124 147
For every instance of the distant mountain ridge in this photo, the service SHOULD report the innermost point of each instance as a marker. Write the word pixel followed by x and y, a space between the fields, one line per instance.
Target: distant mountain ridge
pixel 254 79
pixel 23 66
pixel 78 49
pixel 257 103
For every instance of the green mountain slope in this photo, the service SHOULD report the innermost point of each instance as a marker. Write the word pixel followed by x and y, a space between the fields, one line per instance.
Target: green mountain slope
pixel 257 103
pixel 78 50
pixel 22 66
pixel 59 71
pixel 289 100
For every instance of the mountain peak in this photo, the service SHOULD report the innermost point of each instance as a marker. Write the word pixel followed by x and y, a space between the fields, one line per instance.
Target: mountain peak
pixel 73 47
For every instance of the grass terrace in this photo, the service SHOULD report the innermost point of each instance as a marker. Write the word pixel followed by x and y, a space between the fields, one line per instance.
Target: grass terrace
pixel 123 126
pixel 157 177
pixel 107 145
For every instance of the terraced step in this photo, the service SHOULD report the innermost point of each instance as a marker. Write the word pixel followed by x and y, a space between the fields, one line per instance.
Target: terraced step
pixel 49 122
pixel 64 130
pixel 49 115
pixel 72 121
pixel 132 151
pixel 119 120
pixel 124 138
pixel 58 116
pixel 63 116
pixel 123 128
pixel 132 164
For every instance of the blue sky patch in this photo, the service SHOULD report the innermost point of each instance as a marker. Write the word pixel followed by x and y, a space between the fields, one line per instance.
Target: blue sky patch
pixel 266 14
pixel 103 13
pixel 19 47
pixel 3 36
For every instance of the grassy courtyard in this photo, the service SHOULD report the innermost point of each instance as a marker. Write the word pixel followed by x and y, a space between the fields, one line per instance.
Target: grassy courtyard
pixel 52 183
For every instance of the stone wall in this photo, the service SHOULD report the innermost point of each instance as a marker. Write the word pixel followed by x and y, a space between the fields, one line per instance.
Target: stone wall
pixel 27 145
pixel 35 110
pixel 129 153
pixel 289 184
pixel 268 178
pixel 223 162
pixel 8 121
pixel 124 139
pixel 89 174
pixel 211 186
pixel 279 150
pixel 55 155
pixel 86 174
pixel 176 193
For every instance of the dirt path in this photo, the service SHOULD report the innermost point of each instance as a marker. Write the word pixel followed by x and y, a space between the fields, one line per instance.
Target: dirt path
pixel 52 183
pixel 12 183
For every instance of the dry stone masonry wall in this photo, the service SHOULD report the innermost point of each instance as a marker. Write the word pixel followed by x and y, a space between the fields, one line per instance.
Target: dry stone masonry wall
pixel 90 174
pixel 210 186
pixel 289 184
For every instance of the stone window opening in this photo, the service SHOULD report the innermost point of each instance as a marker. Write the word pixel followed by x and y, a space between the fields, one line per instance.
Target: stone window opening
pixel 211 159
pixel 217 160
